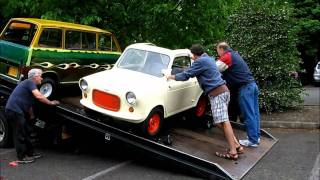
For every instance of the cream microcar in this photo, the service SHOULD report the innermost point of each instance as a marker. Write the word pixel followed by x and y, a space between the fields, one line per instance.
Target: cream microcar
pixel 136 91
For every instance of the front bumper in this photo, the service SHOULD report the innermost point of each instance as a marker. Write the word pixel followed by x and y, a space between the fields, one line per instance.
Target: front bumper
pixel 316 77
pixel 120 115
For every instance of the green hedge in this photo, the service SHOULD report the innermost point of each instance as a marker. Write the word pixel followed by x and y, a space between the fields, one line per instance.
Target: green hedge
pixel 262 33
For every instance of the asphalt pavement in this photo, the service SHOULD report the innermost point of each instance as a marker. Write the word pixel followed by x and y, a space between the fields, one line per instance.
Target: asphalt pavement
pixel 296 156
pixel 311 96
pixel 293 157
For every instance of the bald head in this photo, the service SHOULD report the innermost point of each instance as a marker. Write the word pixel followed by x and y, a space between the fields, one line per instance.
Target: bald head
pixel 221 47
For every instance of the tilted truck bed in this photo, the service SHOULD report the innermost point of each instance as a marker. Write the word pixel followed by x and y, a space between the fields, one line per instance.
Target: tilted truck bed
pixel 192 146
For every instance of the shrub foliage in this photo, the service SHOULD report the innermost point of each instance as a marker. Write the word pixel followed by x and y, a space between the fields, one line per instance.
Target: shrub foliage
pixel 260 30
pixel 262 33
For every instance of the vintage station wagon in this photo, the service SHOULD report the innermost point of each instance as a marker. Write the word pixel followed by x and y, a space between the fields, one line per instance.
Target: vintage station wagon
pixel 136 91
pixel 64 51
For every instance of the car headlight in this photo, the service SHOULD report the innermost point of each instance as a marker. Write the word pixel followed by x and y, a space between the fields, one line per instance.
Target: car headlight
pixel 131 98
pixel 83 84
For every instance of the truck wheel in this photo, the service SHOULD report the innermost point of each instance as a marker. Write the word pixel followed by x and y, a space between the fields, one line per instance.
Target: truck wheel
pixel 152 125
pixel 5 132
pixel 48 87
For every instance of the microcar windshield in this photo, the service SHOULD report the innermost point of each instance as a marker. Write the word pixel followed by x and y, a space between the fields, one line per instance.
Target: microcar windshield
pixel 143 61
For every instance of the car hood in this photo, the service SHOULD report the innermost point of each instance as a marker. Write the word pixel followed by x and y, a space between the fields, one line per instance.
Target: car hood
pixel 118 79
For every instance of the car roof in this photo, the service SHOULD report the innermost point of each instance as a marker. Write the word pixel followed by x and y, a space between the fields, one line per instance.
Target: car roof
pixel 154 48
pixel 52 23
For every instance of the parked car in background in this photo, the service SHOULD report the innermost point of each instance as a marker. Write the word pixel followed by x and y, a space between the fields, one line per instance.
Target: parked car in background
pixel 136 91
pixel 316 74
pixel 64 51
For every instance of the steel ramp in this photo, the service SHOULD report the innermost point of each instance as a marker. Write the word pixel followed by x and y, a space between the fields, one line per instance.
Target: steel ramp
pixel 203 143
pixel 193 146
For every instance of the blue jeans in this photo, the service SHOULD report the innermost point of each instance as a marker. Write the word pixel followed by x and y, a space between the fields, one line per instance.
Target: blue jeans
pixel 249 107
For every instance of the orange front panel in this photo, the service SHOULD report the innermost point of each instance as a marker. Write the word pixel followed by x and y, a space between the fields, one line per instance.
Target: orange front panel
pixel 106 100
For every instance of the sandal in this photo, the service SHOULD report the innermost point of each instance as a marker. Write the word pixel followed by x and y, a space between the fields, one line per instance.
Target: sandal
pixel 240 150
pixel 227 155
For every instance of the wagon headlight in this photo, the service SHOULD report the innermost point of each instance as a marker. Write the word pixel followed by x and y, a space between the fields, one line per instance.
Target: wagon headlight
pixel 131 98
pixel 83 84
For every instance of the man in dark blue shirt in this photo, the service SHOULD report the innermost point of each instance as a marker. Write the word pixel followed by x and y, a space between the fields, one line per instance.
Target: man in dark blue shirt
pixel 238 76
pixel 209 78
pixel 18 107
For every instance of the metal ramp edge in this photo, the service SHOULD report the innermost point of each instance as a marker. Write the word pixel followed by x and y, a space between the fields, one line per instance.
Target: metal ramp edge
pixel 207 169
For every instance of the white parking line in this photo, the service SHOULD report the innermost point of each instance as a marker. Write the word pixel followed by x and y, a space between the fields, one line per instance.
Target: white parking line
pixel 101 173
pixel 316 169
pixel 5 152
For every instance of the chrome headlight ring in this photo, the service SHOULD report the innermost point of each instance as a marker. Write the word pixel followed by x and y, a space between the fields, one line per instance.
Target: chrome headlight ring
pixel 131 98
pixel 83 84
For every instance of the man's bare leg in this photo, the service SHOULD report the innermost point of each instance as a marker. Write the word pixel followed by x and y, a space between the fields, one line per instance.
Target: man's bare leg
pixel 228 133
pixel 235 140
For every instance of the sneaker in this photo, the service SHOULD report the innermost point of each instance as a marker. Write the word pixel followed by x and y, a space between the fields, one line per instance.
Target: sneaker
pixel 37 155
pixel 25 160
pixel 247 143
pixel 258 140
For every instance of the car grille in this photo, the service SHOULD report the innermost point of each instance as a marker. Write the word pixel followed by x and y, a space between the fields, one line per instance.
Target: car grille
pixel 105 100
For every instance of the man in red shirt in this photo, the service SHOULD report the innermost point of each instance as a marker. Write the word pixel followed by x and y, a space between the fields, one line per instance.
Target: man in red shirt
pixel 238 77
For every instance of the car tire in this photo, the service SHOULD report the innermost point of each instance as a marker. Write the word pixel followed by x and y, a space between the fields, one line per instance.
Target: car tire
pixel 48 88
pixel 151 127
pixel 5 132
pixel 201 108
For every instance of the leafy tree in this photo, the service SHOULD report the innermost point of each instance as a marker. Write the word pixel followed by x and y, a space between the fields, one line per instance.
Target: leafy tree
pixel 168 23
pixel 307 14
pixel 262 32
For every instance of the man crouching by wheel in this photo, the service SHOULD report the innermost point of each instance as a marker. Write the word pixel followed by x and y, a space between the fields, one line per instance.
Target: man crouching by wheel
pixel 18 107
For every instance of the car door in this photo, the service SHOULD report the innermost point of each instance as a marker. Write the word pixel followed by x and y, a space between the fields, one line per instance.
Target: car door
pixel 181 94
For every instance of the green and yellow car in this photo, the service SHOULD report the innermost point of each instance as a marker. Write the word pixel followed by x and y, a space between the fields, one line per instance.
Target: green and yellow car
pixel 64 51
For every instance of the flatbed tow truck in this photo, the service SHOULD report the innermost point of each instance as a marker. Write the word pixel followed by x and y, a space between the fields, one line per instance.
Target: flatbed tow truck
pixel 192 147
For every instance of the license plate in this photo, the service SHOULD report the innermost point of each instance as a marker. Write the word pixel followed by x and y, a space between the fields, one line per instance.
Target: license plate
pixel 13 71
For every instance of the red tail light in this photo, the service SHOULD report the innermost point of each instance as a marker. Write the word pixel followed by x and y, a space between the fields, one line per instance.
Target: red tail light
pixel 106 100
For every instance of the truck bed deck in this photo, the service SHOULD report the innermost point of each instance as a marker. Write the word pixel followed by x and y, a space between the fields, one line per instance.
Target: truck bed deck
pixel 193 146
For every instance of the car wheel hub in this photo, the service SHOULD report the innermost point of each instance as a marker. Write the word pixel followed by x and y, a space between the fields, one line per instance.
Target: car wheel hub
pixel 201 107
pixel 154 124
pixel 46 89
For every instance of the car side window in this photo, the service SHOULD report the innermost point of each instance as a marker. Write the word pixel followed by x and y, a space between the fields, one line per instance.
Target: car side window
pixel 88 41
pixel 180 64
pixel 51 38
pixel 73 39
pixel 20 32
pixel 107 43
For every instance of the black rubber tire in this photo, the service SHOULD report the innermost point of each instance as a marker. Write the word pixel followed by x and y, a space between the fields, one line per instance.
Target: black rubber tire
pixel 6 133
pixel 145 124
pixel 53 83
